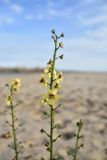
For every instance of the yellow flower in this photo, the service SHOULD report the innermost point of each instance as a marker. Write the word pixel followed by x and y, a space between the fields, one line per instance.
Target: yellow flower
pixel 52 96
pixel 9 100
pixel 54 75
pixel 43 80
pixel 52 91
pixel 50 63
pixel 57 86
pixel 59 77
pixel 48 68
pixel 15 84
pixel 44 100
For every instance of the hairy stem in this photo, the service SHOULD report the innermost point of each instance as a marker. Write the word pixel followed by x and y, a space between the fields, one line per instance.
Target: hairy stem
pixel 54 60
pixel 14 130
pixel 77 146
pixel 51 107
pixel 51 134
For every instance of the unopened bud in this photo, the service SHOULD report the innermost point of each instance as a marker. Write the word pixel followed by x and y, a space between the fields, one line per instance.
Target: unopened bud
pixel 6 85
pixel 50 62
pixel 59 125
pixel 80 124
pixel 68 150
pixel 61 45
pixel 82 145
pixel 61 56
pixel 62 35
pixel 42 130
pixel 47 144
pixel 53 38
pixel 53 31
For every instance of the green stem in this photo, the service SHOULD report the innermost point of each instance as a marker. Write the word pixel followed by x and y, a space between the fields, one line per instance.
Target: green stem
pixel 77 143
pixel 14 131
pixel 51 107
pixel 54 60
pixel 51 134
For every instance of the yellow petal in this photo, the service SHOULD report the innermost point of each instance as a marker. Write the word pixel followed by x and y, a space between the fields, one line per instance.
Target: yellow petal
pixel 46 70
pixel 44 100
pixel 51 102
pixel 9 100
pixel 18 80
pixel 53 91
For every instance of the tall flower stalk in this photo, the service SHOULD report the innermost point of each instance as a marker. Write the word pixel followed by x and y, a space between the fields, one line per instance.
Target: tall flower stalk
pixel 78 137
pixel 13 88
pixel 78 144
pixel 51 80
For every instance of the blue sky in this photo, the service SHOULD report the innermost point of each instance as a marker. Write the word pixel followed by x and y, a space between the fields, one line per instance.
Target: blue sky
pixel 25 38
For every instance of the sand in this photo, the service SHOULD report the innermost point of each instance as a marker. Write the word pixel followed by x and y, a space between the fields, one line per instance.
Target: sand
pixel 84 96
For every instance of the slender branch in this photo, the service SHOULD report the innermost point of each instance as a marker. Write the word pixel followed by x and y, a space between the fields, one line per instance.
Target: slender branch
pixel 43 131
pixel 59 136
pixel 57 107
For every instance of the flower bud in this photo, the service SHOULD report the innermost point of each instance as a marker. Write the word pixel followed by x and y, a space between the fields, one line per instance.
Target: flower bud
pixel 49 62
pixel 82 145
pixel 53 38
pixel 42 131
pixel 61 56
pixel 61 45
pixel 62 35
pixel 53 31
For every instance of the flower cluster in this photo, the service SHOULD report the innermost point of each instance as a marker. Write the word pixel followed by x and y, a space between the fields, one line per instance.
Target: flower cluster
pixel 50 78
pixel 52 95
pixel 9 100
pixel 15 84
pixel 13 87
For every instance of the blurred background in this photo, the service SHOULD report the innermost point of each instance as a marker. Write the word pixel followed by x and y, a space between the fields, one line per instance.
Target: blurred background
pixel 25 38
pixel 25 42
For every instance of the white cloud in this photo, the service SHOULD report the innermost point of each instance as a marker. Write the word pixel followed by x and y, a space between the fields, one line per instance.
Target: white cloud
pixel 50 3
pixel 86 53
pixel 53 12
pixel 17 8
pixel 100 33
pixel 95 16
pixel 88 2
pixel 6 1
pixel 86 46
pixel 29 17
pixel 6 19
pixel 99 19
pixel 65 12
pixel 40 16
pixel 10 20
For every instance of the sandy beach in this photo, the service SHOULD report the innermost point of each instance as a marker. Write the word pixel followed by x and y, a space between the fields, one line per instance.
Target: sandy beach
pixel 83 95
